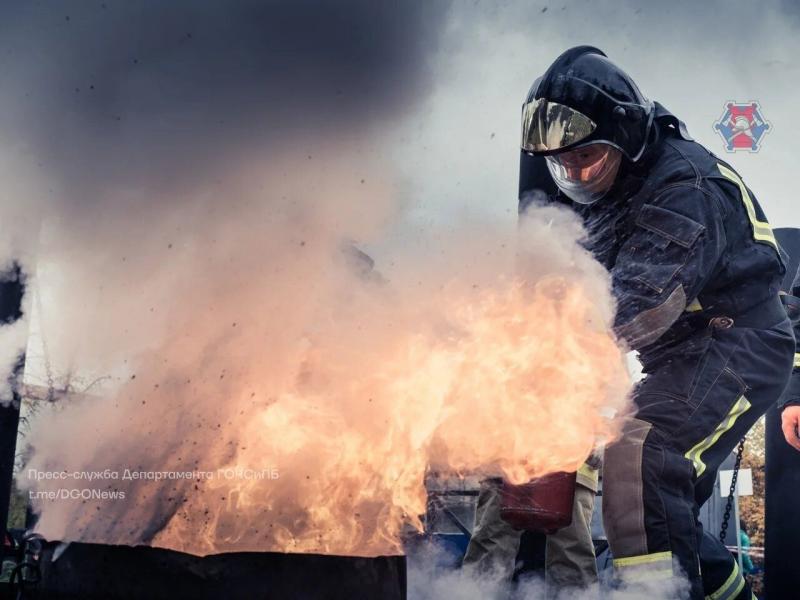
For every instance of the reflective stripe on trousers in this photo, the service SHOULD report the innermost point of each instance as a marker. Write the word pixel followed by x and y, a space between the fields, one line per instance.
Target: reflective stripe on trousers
pixel 696 453
pixel 647 567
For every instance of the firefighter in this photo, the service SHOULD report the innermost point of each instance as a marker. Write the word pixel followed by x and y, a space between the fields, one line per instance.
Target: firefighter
pixel 696 273
pixel 790 402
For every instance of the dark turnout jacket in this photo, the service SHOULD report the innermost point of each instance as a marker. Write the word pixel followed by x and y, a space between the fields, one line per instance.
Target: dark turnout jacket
pixel 686 242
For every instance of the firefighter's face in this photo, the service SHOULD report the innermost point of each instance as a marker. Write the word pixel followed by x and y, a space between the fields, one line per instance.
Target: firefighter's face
pixel 584 164
pixel 586 173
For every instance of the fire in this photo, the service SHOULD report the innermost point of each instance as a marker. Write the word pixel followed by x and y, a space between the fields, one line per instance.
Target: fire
pixel 316 395
pixel 513 383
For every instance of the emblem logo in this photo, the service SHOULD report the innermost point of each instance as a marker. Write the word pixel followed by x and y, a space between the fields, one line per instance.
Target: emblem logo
pixel 742 126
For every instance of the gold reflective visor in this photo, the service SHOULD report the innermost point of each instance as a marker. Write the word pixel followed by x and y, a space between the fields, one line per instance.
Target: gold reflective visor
pixel 552 126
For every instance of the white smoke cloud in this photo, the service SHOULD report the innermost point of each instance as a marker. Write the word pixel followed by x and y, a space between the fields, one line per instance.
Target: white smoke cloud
pixel 431 576
pixel 254 346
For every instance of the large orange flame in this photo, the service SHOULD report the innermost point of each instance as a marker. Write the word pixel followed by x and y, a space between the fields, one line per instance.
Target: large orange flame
pixel 515 385
pixel 318 395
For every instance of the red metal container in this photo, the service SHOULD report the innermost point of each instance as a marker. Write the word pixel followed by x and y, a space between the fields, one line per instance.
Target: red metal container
pixel 544 504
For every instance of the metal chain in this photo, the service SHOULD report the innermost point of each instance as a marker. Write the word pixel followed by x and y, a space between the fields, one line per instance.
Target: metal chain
pixel 729 504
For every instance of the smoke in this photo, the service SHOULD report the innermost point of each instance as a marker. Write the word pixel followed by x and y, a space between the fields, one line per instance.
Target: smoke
pixel 430 577
pixel 152 95
pixel 118 119
pixel 273 352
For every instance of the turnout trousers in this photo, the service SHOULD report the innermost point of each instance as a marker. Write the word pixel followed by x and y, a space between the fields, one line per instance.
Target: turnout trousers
pixel 569 558
pixel 691 409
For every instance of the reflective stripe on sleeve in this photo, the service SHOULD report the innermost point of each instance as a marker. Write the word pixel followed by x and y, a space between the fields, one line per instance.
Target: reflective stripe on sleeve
pixel 588 476
pixel 731 588
pixel 762 232
pixel 694 306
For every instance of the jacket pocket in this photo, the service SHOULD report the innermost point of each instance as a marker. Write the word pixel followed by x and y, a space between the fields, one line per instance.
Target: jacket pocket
pixel 663 244
pixel 669 226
